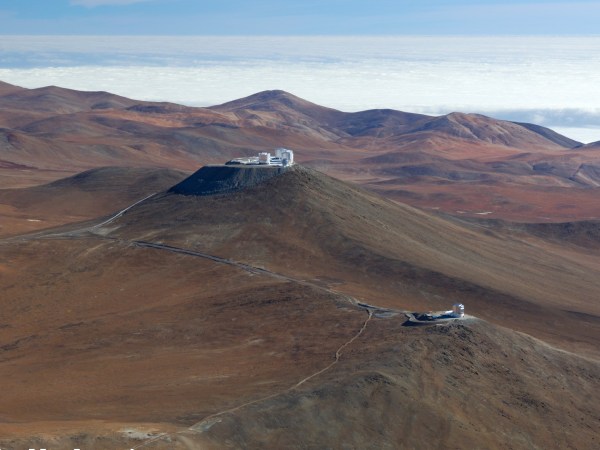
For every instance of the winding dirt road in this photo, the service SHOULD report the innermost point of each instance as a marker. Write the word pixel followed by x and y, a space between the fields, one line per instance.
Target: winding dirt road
pixel 210 420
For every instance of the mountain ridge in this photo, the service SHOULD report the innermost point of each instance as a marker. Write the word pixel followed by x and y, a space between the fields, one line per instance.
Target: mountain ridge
pixel 456 124
pixel 386 240
pixel 521 172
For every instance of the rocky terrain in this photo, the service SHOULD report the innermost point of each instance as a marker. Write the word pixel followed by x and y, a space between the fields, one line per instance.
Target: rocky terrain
pixel 239 319
pixel 151 298
pixel 462 164
pixel 222 179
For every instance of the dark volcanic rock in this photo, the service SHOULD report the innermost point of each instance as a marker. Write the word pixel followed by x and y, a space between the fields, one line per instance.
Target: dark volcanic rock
pixel 219 179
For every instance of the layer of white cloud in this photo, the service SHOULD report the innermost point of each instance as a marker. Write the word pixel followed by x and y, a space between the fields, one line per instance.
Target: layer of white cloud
pixel 549 81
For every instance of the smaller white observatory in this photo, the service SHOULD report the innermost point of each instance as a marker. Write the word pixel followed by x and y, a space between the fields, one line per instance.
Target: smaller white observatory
pixel 285 155
pixel 264 158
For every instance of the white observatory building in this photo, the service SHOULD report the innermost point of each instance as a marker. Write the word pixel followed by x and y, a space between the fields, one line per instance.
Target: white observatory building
pixel 283 158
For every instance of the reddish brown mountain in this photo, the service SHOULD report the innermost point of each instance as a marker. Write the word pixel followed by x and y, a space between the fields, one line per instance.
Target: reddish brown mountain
pixel 256 307
pixel 233 320
pixel 57 100
pixel 283 108
pixel 6 88
pixel 459 163
pixel 84 196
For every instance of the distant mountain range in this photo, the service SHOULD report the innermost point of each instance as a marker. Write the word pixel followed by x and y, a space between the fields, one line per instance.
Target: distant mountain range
pixel 459 163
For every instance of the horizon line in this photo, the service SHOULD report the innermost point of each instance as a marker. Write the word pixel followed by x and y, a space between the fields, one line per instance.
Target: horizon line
pixel 474 35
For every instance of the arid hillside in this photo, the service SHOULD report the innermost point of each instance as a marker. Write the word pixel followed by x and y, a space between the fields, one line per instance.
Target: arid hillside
pixel 84 196
pixel 592 145
pixel 462 164
pixel 271 315
pixel 313 226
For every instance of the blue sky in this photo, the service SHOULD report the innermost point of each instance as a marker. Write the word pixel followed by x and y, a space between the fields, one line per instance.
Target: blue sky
pixel 298 17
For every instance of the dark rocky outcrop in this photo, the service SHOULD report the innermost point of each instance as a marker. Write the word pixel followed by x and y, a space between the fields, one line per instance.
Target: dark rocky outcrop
pixel 220 179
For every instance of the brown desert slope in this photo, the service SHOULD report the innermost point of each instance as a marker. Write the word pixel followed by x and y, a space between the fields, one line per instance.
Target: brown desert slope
pixel 583 234
pixel 234 320
pixel 460 386
pixel 550 134
pixel 6 88
pixel 332 229
pixel 54 99
pixel 83 196
pixel 285 108
pixel 465 164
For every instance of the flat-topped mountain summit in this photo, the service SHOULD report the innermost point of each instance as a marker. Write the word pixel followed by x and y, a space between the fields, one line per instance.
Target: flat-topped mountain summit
pixel 304 222
pixel 220 179
pixel 239 173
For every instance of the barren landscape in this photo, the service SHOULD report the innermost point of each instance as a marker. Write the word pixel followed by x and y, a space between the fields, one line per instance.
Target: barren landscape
pixel 464 164
pixel 141 309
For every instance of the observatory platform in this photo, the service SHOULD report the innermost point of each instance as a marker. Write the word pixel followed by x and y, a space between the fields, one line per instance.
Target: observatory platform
pixel 431 318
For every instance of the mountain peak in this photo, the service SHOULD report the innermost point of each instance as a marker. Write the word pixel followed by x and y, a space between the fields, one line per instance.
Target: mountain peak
pixel 274 94
pixel 478 127
pixel 273 100
pixel 590 146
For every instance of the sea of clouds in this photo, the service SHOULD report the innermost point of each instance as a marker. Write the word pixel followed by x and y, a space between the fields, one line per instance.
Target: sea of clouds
pixel 551 81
